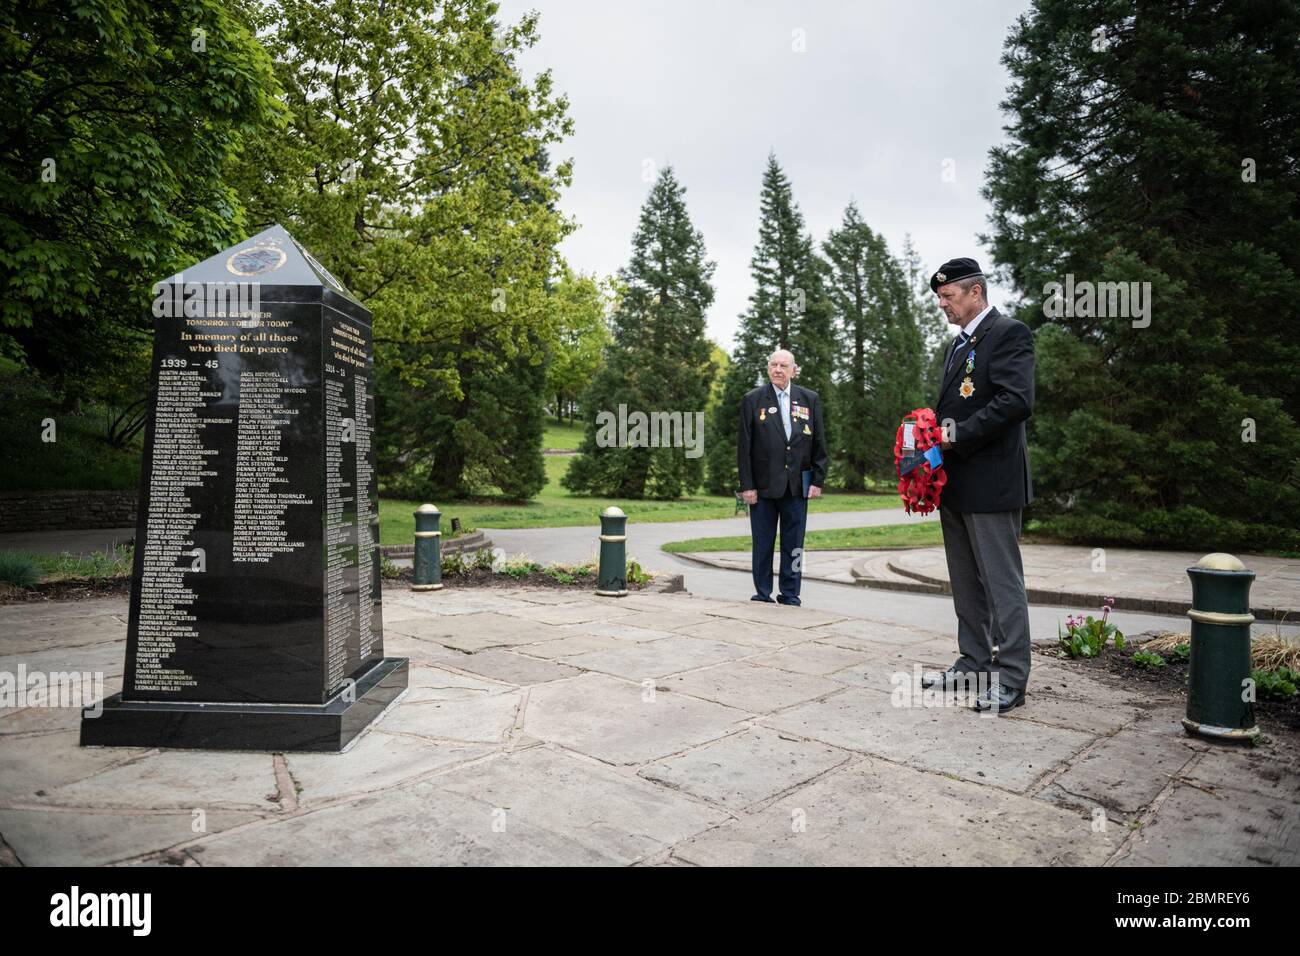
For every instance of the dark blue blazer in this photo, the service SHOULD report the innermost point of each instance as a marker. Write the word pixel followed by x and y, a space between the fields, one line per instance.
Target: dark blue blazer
pixel 768 462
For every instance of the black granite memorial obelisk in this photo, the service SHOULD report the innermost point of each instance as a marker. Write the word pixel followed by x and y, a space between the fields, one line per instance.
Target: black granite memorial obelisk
pixel 255 617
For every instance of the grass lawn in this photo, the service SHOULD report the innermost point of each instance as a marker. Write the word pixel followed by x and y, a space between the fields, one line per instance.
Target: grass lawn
pixel 51 567
pixel 556 507
pixel 866 539
pixel 562 436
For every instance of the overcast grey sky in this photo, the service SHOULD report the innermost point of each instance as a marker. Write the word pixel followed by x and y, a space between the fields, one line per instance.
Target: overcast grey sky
pixel 881 95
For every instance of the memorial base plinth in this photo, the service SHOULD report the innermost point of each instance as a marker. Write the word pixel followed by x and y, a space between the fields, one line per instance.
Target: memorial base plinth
pixel 318 728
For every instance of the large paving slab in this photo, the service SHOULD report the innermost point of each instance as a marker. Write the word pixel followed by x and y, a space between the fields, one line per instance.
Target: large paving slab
pixel 474 632
pixel 509 667
pixel 58 708
pixel 764 636
pixel 422 825
pixel 621 722
pixel 177 779
pixel 756 612
pixel 622 819
pixel 412 605
pixel 748 687
pixel 746 768
pixel 484 719
pixel 856 633
pixel 578 612
pixel 875 813
pixel 377 762
pixel 564 647
pixel 1271 772
pixel 417 651
pixel 653 659
pixel 442 683
pixel 107 658
pixel 1121 774
pixel 635 627
pixel 98 837
pixel 1101 717
pixel 812 658
pixel 34 765
pixel 34 627
pixel 881 675
pixel 946 739
pixel 1234 828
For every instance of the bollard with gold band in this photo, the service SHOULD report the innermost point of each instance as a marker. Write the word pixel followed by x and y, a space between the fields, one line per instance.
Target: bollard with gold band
pixel 428 549
pixel 611 581
pixel 1220 695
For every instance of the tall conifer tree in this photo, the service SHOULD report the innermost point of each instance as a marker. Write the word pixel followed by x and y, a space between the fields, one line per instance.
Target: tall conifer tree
pixel 658 360
pixel 1157 143
pixel 788 309
pixel 883 352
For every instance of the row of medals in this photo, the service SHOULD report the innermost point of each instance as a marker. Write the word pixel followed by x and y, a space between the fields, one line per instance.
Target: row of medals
pixel 763 413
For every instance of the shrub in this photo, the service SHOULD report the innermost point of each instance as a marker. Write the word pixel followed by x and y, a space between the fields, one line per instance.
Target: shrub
pixel 520 567
pixel 635 575
pixel 1278 684
pixel 1148 659
pixel 18 569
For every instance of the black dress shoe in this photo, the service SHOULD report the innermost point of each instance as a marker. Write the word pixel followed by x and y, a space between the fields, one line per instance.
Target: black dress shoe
pixel 762 599
pixel 950 679
pixel 999 698
pixel 788 602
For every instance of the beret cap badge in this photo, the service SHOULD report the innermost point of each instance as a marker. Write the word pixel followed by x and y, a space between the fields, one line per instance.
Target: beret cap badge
pixel 954 270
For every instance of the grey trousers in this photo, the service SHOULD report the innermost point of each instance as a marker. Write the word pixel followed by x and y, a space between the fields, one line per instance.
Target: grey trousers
pixel 988 591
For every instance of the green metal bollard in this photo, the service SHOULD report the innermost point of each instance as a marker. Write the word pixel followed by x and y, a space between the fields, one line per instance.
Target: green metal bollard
pixel 428 549
pixel 1220 650
pixel 611 581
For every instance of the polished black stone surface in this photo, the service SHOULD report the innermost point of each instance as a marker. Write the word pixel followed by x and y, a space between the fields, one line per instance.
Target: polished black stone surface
pixel 257 564
pixel 318 728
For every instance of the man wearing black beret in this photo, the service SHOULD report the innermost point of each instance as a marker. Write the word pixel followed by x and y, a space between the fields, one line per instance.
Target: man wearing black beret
pixel 986 394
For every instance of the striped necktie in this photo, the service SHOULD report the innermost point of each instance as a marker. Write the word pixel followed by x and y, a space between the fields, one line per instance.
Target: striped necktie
pixel 961 343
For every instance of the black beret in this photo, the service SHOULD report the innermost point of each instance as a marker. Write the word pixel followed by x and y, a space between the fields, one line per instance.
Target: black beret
pixel 952 270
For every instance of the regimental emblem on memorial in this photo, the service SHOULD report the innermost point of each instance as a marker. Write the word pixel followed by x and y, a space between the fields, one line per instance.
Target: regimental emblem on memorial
pixel 257 258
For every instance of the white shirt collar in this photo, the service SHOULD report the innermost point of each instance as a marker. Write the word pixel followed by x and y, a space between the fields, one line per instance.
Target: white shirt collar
pixel 781 391
pixel 970 329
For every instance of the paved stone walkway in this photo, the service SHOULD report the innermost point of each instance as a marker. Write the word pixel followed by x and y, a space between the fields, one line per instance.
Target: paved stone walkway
pixel 1149 580
pixel 571 545
pixel 547 727
pixel 1153 582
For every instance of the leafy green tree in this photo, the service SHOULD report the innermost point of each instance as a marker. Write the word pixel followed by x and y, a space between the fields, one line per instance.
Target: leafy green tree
pixel 1156 143
pixel 414 165
pixel 788 309
pixel 120 118
pixel 883 350
pixel 580 304
pixel 658 360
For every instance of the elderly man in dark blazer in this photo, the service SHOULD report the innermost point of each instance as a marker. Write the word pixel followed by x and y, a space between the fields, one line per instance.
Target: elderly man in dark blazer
pixel 781 454
pixel 986 394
